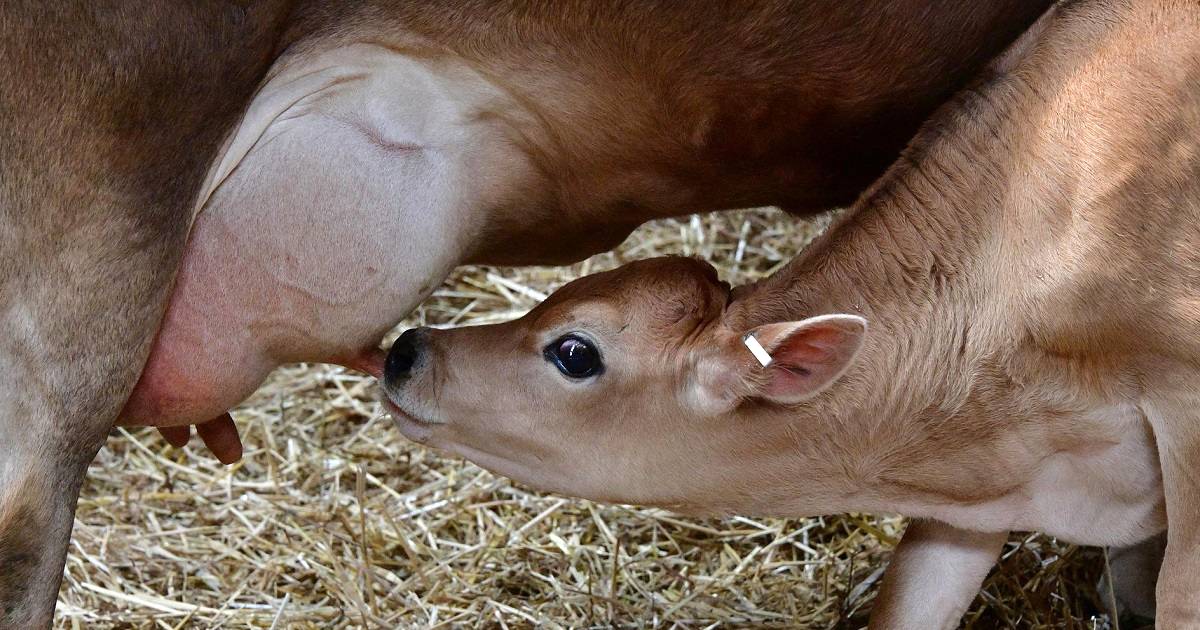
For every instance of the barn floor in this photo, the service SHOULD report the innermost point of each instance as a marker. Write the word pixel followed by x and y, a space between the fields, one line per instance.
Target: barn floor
pixel 332 519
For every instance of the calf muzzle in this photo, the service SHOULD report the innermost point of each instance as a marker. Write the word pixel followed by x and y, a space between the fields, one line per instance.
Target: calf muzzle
pixel 404 356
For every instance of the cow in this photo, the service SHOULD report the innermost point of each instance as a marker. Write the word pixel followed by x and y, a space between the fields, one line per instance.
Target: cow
pixel 1003 333
pixel 192 193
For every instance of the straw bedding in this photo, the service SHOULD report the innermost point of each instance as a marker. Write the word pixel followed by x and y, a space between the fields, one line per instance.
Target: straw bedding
pixel 333 520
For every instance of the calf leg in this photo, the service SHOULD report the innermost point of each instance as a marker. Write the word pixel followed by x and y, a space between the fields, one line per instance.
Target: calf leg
pixel 1176 422
pixel 934 575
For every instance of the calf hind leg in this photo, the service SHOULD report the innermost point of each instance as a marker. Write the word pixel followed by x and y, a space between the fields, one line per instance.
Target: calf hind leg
pixel 1176 422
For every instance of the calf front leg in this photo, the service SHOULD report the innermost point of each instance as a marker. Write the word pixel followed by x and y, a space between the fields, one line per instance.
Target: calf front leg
pixel 934 575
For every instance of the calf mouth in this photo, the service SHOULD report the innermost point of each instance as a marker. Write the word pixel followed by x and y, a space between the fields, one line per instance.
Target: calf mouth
pixel 411 426
pixel 422 432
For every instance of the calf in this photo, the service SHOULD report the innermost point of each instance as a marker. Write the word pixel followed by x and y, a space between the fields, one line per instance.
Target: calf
pixel 339 158
pixel 377 156
pixel 1002 334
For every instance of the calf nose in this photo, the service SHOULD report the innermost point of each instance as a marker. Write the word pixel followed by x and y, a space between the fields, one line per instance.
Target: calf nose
pixel 403 356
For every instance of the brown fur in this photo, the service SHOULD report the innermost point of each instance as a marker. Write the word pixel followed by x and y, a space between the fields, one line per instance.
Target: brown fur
pixel 535 138
pixel 1029 269
pixel 113 113
pixel 669 110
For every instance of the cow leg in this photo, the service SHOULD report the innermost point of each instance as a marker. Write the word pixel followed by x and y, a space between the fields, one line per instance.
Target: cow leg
pixel 1134 572
pixel 84 279
pixel 934 575
pixel 76 321
pixel 112 116
pixel 41 485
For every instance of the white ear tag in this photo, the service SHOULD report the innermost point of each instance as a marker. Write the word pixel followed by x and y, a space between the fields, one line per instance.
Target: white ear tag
pixel 757 350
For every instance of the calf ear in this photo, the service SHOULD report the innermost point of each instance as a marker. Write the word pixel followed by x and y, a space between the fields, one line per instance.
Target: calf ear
pixel 805 356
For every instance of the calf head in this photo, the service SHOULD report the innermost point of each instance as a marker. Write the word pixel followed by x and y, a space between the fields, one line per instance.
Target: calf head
pixel 624 386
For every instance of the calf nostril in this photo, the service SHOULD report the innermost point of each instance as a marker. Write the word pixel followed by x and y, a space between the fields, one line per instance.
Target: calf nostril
pixel 402 356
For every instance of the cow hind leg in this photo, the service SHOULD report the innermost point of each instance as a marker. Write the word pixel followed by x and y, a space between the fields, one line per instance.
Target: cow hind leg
pixel 36 513
pixel 1134 573
pixel 82 289
pixel 68 360
pixel 102 160
pixel 70 353
pixel 65 371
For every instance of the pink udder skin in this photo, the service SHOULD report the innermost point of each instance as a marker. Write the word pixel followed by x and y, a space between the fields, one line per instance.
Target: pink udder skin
pixel 193 375
pixel 214 349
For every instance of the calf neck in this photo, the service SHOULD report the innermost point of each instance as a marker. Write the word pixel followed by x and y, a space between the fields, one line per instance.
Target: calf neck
pixel 1002 334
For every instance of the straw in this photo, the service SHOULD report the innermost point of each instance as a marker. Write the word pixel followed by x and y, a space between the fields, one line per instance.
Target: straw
pixel 333 520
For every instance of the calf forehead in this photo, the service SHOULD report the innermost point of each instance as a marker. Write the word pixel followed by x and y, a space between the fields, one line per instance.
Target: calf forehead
pixel 667 289
pixel 656 278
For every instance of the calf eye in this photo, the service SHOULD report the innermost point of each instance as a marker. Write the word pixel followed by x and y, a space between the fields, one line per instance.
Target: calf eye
pixel 574 356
